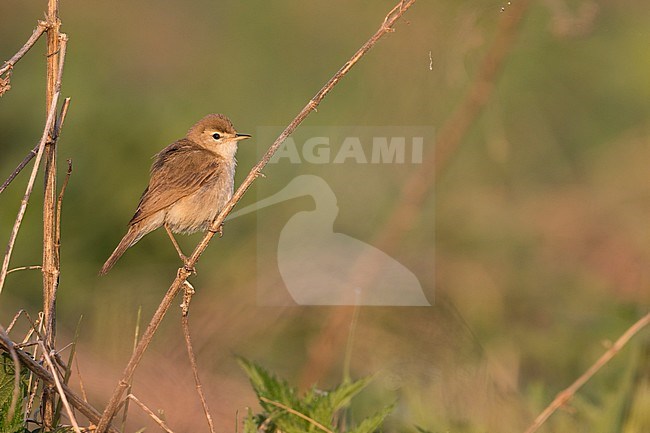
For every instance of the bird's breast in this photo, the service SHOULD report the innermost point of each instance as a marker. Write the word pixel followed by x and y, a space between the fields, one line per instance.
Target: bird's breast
pixel 194 212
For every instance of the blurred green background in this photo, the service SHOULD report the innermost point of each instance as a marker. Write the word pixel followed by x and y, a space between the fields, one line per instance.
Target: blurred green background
pixel 540 234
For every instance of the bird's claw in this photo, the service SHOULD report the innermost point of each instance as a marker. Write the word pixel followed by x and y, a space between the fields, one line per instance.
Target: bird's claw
pixel 189 269
pixel 218 230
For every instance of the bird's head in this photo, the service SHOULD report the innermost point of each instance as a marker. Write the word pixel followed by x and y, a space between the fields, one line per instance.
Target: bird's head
pixel 216 133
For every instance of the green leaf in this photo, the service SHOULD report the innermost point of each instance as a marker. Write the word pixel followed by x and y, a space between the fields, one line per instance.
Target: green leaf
pixel 341 396
pixel 286 412
pixel 267 385
pixel 372 423
pixel 14 423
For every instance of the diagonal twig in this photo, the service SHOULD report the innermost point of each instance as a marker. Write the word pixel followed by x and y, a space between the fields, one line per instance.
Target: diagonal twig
pixel 185 272
pixel 564 396
pixel 28 361
pixel 149 412
pixel 41 27
pixel 57 382
pixel 9 64
pixel 32 153
pixel 51 116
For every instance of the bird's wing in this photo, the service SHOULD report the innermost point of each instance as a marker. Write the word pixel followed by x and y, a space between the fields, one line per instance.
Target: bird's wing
pixel 178 171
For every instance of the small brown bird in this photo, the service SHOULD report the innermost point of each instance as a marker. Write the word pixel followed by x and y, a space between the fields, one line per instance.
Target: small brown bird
pixel 191 181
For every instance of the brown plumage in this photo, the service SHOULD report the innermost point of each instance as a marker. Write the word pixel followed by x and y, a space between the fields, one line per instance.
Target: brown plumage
pixel 191 180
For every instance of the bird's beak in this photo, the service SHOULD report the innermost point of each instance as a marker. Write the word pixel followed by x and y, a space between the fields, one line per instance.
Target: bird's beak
pixel 239 137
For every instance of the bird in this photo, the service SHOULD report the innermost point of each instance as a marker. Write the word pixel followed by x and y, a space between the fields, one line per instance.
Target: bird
pixel 191 180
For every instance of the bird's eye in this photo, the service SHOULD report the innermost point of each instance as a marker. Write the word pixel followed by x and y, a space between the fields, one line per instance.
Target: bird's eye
pixel 216 136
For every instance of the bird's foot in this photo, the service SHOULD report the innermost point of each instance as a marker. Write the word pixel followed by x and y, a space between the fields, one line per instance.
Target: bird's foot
pixel 188 268
pixel 218 230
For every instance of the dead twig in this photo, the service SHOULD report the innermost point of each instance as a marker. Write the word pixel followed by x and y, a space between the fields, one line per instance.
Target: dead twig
pixel 24 268
pixel 187 298
pixel 59 203
pixel 41 27
pixel 7 67
pixel 149 412
pixel 32 153
pixel 256 171
pixel 57 382
pixel 136 336
pixel 564 396
pixel 28 361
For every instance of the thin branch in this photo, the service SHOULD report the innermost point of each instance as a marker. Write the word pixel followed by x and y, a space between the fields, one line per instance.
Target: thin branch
pixel 187 298
pixel 15 319
pixel 51 116
pixel 564 396
pixel 295 412
pixel 64 399
pixel 186 271
pixel 81 382
pixel 41 27
pixel 28 361
pixel 59 203
pixel 136 336
pixel 67 366
pixel 32 153
pixel 24 268
pixel 149 412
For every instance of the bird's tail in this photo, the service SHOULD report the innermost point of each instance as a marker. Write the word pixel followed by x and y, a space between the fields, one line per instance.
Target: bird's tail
pixel 131 237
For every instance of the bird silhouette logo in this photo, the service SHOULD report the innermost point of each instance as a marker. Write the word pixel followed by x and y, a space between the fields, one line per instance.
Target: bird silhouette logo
pixel 321 267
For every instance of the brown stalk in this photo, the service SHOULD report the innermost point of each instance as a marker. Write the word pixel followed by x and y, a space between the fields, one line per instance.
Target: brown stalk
pixel 149 412
pixel 56 43
pixel 185 272
pixel 187 298
pixel 564 396
pixel 28 361
pixel 419 185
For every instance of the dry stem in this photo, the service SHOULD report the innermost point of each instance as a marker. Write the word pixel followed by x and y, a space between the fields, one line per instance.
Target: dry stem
pixel 185 272
pixel 32 153
pixel 564 396
pixel 28 361
pixel 149 412
pixel 187 298
pixel 64 399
